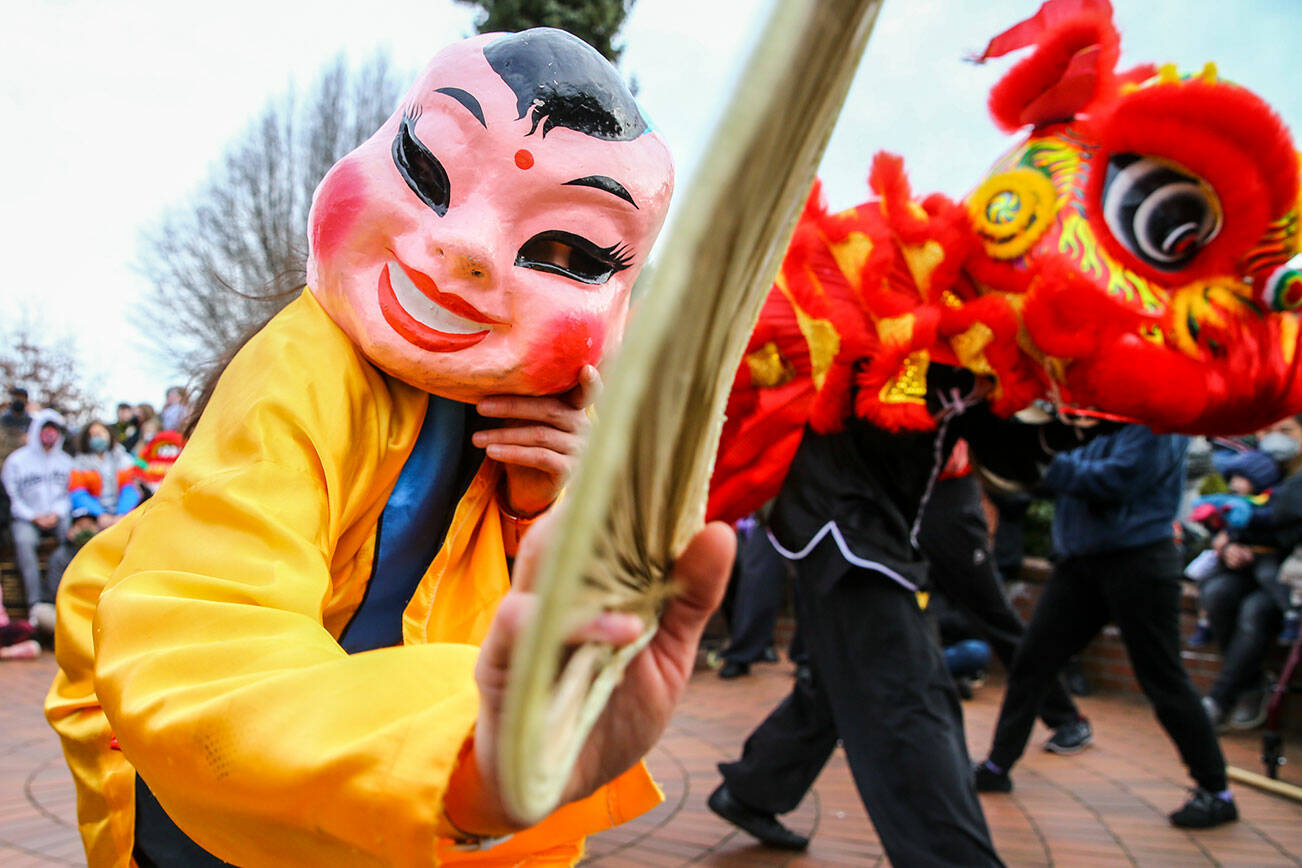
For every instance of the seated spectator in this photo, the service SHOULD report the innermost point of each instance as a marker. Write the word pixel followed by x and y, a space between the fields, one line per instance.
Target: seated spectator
pixel 14 422
pixel 1243 596
pixel 1247 473
pixel 36 479
pixel 127 428
pixel 102 475
pixel 149 425
pixel 176 410
pixel 16 638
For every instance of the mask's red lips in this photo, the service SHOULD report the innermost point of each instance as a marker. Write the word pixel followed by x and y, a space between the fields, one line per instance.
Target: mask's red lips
pixel 418 333
pixel 454 303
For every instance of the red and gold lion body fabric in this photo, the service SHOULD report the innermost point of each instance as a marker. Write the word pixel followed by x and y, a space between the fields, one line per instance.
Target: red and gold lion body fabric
pixel 1135 256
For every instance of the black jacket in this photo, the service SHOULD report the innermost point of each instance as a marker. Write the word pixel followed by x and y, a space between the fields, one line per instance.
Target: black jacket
pixel 863 488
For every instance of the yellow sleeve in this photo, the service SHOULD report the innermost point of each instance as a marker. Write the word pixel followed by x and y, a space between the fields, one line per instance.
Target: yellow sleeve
pixel 259 735
pixel 104 780
pixel 264 741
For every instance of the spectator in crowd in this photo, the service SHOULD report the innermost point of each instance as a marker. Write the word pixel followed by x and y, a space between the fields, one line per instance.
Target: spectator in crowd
pixel 102 476
pixel 176 410
pixel 36 480
pixel 127 427
pixel 150 425
pixel 1117 561
pixel 955 538
pixel 17 640
pixel 14 422
pixel 1243 596
pixel 1247 473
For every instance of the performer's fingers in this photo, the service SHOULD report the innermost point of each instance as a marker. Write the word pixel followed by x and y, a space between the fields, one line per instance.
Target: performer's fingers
pixel 611 628
pixel 701 574
pixel 495 654
pixel 545 436
pixel 555 412
pixel 588 389
pixel 536 457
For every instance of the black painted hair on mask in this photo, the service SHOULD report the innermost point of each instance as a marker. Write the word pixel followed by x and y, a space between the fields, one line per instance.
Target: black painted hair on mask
pixel 566 83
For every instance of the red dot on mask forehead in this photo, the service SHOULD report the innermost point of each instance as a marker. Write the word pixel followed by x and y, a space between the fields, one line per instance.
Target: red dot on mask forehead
pixel 524 159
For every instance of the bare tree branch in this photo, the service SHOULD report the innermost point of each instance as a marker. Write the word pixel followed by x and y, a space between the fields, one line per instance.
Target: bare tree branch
pixel 232 255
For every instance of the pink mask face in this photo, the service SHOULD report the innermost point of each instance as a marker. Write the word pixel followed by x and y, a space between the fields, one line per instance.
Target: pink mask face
pixel 49 437
pixel 485 239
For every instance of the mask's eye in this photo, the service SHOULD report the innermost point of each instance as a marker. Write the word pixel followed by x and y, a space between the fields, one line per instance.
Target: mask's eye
pixel 573 256
pixel 419 167
pixel 1161 214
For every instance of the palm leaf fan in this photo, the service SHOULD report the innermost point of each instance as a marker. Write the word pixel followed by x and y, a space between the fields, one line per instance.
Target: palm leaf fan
pixel 640 491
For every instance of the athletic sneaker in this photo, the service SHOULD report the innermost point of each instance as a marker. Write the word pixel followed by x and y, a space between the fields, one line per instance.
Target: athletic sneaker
pixel 1250 709
pixel 988 780
pixel 1204 810
pixel 1070 738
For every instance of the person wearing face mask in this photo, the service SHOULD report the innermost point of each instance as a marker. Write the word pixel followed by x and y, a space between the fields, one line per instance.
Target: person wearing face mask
pixel 102 473
pixel 1244 599
pixel 36 479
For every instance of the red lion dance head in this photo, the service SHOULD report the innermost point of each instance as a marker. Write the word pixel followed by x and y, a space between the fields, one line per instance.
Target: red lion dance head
pixel 1135 255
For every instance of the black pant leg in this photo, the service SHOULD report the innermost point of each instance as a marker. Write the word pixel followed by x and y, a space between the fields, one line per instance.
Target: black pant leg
pixel 757 598
pixel 955 540
pixel 1220 595
pixel 1070 612
pixel 899 719
pixel 785 754
pixel 1143 592
pixel 1257 623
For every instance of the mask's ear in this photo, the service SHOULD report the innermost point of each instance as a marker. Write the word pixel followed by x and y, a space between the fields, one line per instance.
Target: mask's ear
pixel 1076 50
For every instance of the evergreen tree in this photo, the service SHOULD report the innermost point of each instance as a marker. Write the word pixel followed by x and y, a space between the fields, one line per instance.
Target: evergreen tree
pixel 596 22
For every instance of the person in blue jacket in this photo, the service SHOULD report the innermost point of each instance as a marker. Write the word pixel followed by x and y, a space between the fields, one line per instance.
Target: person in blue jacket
pixel 1116 560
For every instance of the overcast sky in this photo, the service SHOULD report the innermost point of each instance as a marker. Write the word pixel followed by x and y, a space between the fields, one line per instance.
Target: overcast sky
pixel 114 112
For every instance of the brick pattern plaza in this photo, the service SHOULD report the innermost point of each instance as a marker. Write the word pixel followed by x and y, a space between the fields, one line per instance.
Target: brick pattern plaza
pixel 1103 807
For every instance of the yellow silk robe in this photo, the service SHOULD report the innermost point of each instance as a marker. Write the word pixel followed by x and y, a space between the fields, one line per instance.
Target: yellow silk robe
pixel 202 629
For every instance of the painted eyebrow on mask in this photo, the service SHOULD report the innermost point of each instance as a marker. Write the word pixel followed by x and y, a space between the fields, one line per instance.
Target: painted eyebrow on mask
pixel 603 182
pixel 468 100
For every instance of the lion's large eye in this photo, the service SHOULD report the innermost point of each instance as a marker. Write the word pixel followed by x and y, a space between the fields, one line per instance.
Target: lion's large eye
pixel 1159 212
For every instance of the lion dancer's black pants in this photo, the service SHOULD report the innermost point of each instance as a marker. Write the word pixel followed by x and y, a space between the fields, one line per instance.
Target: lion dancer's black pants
pixel 879 684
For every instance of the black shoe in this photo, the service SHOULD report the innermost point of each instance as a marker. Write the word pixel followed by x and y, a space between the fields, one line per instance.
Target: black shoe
pixel 763 826
pixel 1074 678
pixel 988 780
pixel 733 669
pixel 1204 810
pixel 1070 738
pixel 1251 709
pixel 963 685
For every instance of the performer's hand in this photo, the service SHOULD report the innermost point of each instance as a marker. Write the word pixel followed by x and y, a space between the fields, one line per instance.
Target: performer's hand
pixel 539 441
pixel 640 707
pixel 1236 556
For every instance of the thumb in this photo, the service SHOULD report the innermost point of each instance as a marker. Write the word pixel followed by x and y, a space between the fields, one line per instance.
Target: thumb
pixel 701 574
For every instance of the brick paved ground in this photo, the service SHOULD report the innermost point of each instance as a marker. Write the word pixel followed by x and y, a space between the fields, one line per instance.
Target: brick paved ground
pixel 1103 807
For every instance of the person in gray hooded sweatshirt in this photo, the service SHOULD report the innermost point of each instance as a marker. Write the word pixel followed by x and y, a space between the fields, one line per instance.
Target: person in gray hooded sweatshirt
pixel 36 478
